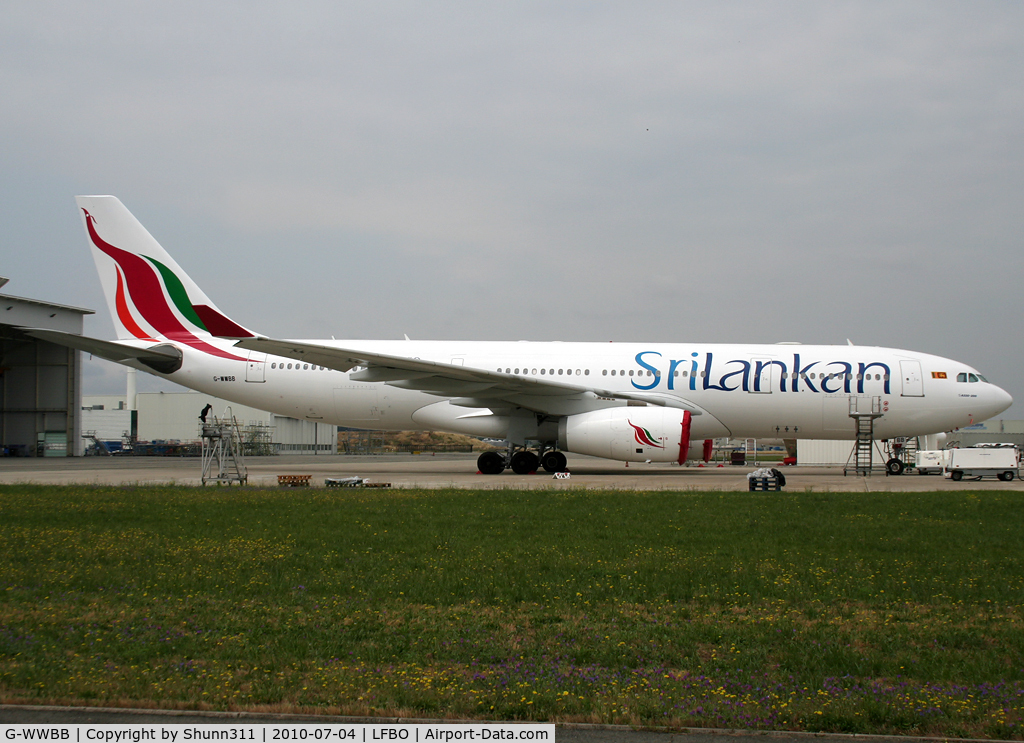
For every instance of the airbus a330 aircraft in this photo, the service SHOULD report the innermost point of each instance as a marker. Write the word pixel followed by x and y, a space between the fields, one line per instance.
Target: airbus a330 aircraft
pixel 660 402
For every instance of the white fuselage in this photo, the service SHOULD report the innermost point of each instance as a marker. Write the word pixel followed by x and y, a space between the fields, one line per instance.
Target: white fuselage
pixel 759 391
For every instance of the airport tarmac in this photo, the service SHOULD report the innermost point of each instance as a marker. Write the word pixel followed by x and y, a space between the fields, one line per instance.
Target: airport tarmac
pixel 459 471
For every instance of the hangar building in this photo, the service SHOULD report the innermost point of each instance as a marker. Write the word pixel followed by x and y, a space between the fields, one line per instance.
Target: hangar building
pixel 40 382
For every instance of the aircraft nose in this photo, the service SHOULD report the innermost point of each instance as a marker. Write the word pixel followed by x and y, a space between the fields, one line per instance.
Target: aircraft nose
pixel 997 401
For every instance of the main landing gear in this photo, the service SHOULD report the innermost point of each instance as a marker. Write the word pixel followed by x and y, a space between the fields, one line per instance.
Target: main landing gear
pixel 521 461
pixel 491 463
pixel 553 461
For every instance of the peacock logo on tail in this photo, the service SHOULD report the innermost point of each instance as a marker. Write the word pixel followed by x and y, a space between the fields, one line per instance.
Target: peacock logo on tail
pixel 154 289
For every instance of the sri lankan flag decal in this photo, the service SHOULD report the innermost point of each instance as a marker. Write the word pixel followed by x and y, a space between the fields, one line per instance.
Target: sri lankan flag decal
pixel 938 375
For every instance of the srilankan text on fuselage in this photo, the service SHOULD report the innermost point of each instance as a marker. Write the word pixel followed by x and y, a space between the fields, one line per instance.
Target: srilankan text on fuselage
pixel 702 371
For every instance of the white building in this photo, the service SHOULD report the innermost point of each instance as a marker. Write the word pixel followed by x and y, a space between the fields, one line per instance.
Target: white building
pixel 822 452
pixel 174 417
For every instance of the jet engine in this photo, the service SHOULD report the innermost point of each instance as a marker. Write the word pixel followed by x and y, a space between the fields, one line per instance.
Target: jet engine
pixel 633 434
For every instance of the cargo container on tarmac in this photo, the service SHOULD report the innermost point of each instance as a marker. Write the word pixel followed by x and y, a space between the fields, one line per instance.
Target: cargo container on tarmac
pixel 981 461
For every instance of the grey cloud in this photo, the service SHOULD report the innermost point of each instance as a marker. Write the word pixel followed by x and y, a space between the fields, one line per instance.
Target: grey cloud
pixel 679 171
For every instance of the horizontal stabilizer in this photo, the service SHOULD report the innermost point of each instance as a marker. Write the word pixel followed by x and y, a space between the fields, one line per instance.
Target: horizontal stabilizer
pixel 163 358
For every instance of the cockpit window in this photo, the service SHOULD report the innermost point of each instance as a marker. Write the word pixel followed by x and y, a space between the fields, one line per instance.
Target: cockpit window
pixel 983 379
pixel 961 377
pixel 972 378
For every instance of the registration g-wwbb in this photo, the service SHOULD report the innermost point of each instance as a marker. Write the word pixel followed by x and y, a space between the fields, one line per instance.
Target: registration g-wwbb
pixel 37 734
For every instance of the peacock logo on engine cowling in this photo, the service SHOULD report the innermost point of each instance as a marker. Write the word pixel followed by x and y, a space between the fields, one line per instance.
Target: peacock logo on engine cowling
pixel 643 436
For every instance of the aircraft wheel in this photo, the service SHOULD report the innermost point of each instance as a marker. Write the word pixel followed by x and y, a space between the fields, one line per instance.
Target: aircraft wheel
pixel 894 466
pixel 957 475
pixel 524 462
pixel 553 461
pixel 490 463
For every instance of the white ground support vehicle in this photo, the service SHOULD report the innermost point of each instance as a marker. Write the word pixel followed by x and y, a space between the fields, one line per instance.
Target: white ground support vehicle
pixel 931 462
pixel 979 461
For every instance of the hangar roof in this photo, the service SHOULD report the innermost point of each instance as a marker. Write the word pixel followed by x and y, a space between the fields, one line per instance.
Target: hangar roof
pixel 21 312
pixel 41 303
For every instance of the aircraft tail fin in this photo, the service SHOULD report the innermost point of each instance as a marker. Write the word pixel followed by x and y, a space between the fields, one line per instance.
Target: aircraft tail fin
pixel 150 297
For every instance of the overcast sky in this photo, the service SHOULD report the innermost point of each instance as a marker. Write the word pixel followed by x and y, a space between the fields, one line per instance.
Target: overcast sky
pixel 735 172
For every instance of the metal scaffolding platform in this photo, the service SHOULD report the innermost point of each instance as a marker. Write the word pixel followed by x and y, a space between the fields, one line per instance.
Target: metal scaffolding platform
pixel 865 419
pixel 223 461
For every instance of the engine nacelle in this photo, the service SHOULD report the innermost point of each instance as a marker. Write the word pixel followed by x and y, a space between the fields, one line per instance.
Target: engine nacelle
pixel 630 434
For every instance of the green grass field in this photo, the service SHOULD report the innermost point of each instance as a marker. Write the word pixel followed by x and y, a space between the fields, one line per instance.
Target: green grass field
pixel 813 611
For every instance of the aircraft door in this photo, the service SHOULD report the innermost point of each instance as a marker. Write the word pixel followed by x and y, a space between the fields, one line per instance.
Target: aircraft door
pixel 913 379
pixel 256 367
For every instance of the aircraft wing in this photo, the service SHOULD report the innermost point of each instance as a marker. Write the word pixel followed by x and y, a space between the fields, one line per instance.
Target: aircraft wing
pixel 467 385
pixel 160 357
